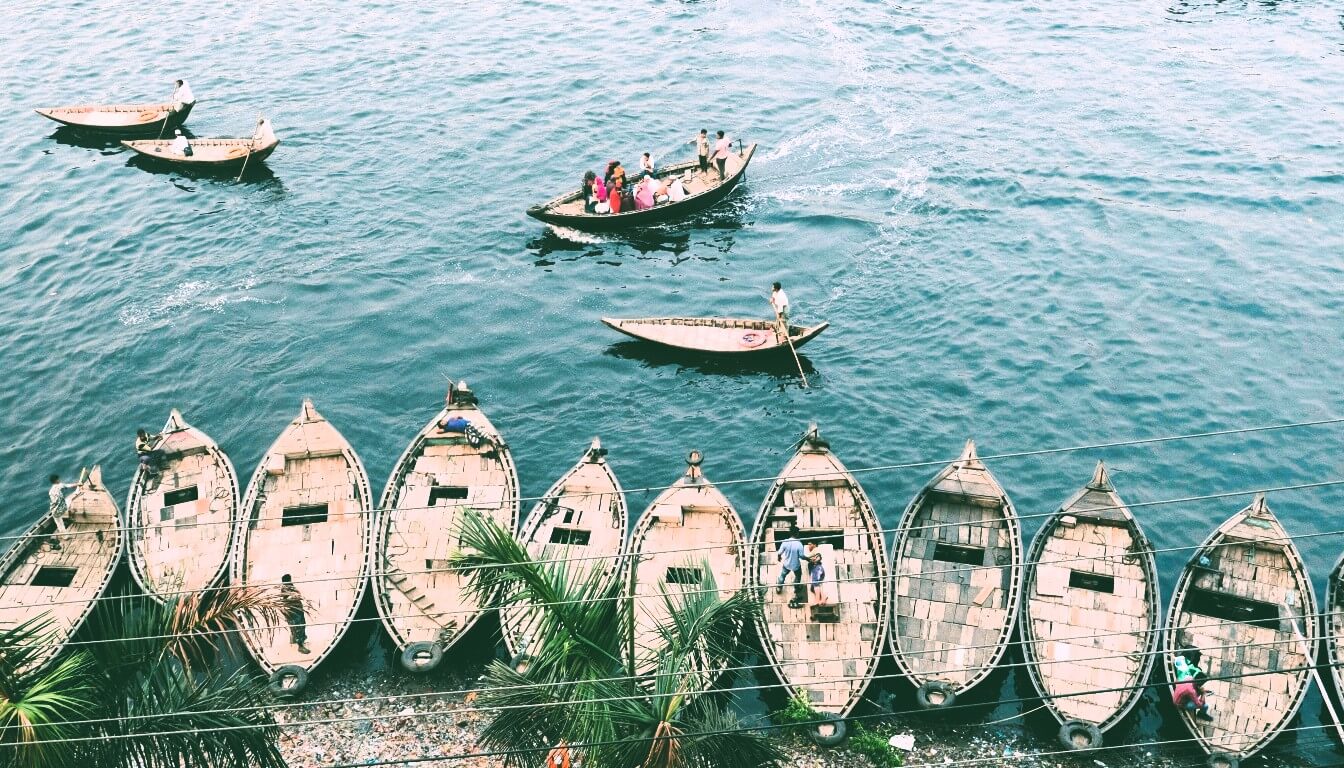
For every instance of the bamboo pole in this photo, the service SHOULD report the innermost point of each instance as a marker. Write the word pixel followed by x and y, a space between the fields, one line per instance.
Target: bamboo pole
pixel 250 145
pixel 789 338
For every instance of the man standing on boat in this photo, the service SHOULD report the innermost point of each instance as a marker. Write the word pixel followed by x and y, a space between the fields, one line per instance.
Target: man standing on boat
pixel 721 148
pixel 780 301
pixel 790 564
pixel 59 507
pixel 182 96
pixel 702 149
pixel 294 613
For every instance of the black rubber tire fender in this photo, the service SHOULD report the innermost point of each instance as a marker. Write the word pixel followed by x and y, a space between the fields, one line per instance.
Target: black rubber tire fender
pixel 935 694
pixel 421 657
pixel 1079 735
pixel 1223 760
pixel 289 680
pixel 830 731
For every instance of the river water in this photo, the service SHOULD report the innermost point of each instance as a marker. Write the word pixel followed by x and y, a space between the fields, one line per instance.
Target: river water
pixel 1035 224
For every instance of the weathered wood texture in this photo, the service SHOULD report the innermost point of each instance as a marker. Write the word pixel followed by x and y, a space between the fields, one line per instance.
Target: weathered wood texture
pixel 1334 625
pixel 1248 558
pixel 438 478
pixel 306 514
pixel 717 335
pixel 582 521
pixel 183 546
pixel 688 528
pixel 957 563
pixel 1090 617
pixel 828 658
pixel 87 556
pixel 119 119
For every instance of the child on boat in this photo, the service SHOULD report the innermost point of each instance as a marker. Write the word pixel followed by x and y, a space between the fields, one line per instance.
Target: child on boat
pixel 816 571
pixel 1188 693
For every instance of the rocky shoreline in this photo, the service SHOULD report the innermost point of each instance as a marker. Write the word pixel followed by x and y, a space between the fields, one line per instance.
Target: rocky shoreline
pixel 376 716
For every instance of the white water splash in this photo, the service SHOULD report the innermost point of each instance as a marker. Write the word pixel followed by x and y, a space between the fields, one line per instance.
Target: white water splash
pixel 189 296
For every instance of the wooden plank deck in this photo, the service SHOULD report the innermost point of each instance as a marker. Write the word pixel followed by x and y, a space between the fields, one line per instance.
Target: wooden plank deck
pixel 829 660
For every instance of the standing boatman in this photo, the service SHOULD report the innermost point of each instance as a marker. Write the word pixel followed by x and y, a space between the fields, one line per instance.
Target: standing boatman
pixel 721 149
pixel 182 96
pixel 702 149
pixel 59 507
pixel 780 301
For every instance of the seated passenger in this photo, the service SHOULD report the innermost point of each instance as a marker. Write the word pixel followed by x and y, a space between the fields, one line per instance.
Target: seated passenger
pixel 644 194
pixel 180 144
pixel 676 192
pixel 600 189
pixel 589 192
pixel 614 200
pixel 646 165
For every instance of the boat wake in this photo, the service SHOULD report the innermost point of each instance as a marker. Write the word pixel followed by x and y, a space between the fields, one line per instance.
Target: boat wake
pixel 192 294
pixel 575 235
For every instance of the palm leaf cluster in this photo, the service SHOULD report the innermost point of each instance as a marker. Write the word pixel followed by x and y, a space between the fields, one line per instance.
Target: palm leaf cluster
pixel 582 686
pixel 140 693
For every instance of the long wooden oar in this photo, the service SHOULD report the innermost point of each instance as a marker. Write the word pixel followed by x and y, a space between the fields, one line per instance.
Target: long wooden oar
pixel 789 338
pixel 248 156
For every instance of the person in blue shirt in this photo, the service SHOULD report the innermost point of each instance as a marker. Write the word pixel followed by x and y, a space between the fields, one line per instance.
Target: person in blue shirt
pixel 790 563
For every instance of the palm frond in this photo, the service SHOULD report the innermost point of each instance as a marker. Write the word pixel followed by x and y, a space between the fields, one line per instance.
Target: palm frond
pixel 198 621
pixel 37 707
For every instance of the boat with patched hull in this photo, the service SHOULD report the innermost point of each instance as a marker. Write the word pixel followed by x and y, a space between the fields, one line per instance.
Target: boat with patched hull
pixel 823 647
pixel 957 581
pixel 716 335
pixel 1090 615
pixel 703 189
pixel 1246 603
pixel 581 521
pixel 457 463
pixel 181 515
pixel 54 577
pixel 305 523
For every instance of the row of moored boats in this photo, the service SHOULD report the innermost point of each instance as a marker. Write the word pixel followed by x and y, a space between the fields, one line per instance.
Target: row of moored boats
pixel 946 598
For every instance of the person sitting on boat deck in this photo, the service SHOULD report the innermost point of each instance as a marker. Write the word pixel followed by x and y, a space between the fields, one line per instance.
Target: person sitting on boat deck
pixel 614 196
pixel 701 143
pixel 816 572
pixel 780 301
pixel 292 606
pixel 148 450
pixel 589 192
pixel 59 506
pixel 182 96
pixel 180 145
pixel 615 174
pixel 644 194
pixel 675 191
pixel 1188 693
pixel 721 148
pixel 627 197
pixel 790 565
pixel 646 165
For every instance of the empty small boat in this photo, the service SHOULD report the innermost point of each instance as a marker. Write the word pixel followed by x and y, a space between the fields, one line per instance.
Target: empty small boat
pixel 688 533
pixel 1090 617
pixel 716 335
pixel 121 119
pixel 957 568
pixel 823 649
pixel 304 528
pixel 215 153
pixel 182 515
pixel 581 520
pixel 457 462
pixel 58 577
pixel 1333 626
pixel 1245 602
pixel 702 190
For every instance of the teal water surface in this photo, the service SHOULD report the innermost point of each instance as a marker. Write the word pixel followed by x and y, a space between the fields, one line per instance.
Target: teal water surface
pixel 1034 224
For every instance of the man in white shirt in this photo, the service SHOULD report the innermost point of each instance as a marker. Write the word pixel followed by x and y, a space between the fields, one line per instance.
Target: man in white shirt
pixel 646 164
pixel 182 96
pixel 721 149
pixel 780 301
pixel 180 144
pixel 702 149
pixel 59 507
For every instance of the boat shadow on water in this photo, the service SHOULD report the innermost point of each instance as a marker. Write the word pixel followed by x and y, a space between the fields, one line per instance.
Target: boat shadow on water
pixel 254 173
pixel 712 227
pixel 655 356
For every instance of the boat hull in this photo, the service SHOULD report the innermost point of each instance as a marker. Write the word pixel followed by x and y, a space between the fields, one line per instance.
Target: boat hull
pixel 157 127
pixel 641 331
pixel 153 151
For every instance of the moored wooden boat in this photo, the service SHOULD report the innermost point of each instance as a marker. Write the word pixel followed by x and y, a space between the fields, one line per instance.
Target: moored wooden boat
pixel 581 520
pixel 424 604
pixel 1090 614
pixel 689 537
pixel 121 119
pixel 40 582
pixel 703 190
pixel 305 516
pixel 1246 603
pixel 826 652
pixel 181 518
pixel 216 153
pixel 1333 629
pixel 957 572
pixel 716 335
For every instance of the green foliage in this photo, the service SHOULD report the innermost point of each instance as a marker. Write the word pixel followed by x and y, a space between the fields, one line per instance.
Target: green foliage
pixel 873 746
pixel 797 712
pixel 583 688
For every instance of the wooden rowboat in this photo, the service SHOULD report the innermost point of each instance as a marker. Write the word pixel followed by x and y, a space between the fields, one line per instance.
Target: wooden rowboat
pixel 1333 626
pixel 121 119
pixel 305 515
pixel 216 153
pixel 715 335
pixel 424 604
pixel 583 519
pixel 957 570
pixel 181 519
pixel 1245 601
pixel 703 190
pixel 690 540
pixel 825 652
pixel 1090 617
pixel 62 585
